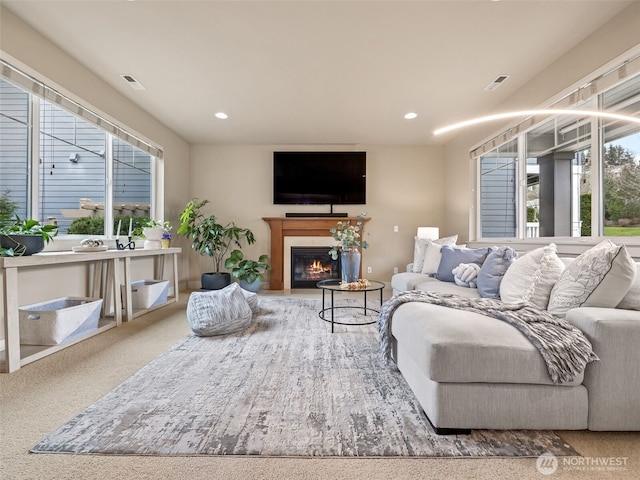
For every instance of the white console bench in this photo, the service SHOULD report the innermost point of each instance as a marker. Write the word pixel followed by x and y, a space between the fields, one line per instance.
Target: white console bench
pixel 16 355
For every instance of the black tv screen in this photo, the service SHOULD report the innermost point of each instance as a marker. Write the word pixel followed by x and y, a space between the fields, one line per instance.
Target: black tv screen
pixel 319 178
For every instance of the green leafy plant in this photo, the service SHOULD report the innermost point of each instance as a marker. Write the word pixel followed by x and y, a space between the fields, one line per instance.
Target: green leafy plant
pixel 25 237
pixel 208 237
pixel 8 208
pixel 347 235
pixel 245 269
pixel 7 252
pixel 30 227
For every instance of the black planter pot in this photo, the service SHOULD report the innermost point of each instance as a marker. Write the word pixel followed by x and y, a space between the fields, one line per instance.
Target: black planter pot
pixel 22 244
pixel 215 280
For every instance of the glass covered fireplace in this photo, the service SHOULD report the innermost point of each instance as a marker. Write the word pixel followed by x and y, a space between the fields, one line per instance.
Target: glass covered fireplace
pixel 309 265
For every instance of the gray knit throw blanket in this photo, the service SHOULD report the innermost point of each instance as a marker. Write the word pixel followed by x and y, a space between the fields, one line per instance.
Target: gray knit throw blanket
pixel 563 347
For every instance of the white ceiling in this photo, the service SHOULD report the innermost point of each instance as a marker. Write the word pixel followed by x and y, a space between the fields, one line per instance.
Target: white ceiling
pixel 315 72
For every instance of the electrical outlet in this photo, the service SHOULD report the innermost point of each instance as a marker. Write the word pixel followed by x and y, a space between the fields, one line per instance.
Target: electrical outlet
pixel 369 270
pixel 395 269
pixel 395 228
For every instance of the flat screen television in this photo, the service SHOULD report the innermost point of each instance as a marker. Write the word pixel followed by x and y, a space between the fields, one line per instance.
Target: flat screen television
pixel 319 178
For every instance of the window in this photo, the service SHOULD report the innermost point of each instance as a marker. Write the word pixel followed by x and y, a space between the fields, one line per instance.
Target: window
pixel 87 172
pixel 621 162
pixel 498 191
pixel 551 177
pixel 14 150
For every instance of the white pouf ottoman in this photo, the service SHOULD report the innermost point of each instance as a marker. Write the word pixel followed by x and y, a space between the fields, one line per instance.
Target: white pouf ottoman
pixel 218 312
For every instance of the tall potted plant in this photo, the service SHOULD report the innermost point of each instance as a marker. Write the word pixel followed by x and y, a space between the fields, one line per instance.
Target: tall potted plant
pixel 212 239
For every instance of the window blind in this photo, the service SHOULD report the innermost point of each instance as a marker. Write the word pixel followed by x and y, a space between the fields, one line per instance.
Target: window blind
pixel 588 90
pixel 40 89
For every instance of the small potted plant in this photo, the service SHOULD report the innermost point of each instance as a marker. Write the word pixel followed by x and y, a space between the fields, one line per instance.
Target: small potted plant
pixel 248 272
pixel 166 239
pixel 26 237
pixel 210 238
pixel 153 232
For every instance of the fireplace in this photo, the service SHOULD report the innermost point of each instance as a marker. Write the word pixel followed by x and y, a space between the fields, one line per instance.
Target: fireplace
pixel 309 265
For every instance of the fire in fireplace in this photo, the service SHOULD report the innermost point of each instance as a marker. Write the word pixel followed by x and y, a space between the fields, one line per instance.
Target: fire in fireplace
pixel 309 265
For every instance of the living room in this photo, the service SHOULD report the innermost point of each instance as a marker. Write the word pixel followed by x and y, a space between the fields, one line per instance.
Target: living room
pixel 409 184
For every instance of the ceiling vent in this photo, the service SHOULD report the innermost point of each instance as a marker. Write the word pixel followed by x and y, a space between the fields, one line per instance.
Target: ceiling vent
pixel 499 80
pixel 133 82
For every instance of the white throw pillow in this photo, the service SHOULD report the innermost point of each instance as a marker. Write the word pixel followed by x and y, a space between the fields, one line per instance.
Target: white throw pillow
pixel 599 277
pixel 420 250
pixel 431 258
pixel 532 276
pixel 631 300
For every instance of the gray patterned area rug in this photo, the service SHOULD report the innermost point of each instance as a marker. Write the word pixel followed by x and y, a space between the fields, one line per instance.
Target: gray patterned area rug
pixel 285 386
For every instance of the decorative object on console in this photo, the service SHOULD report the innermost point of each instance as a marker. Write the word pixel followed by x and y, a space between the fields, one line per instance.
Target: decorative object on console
pixel 25 237
pixel 350 240
pixel 90 245
pixel 166 239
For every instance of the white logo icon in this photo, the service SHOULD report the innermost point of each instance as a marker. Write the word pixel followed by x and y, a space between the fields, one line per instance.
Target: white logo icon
pixel 547 464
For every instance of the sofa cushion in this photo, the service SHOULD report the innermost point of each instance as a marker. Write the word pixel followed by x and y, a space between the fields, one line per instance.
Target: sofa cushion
pixel 433 285
pixel 452 345
pixel 452 257
pixel 420 250
pixel 532 276
pixel 401 282
pixel 631 301
pixel 599 277
pixel 492 271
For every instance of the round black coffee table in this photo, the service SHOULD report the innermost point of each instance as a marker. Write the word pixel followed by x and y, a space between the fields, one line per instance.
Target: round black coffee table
pixel 333 286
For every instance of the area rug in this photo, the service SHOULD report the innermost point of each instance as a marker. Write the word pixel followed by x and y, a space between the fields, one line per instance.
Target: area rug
pixel 285 386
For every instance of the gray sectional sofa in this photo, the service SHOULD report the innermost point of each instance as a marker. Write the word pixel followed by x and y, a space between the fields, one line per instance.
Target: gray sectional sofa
pixel 470 371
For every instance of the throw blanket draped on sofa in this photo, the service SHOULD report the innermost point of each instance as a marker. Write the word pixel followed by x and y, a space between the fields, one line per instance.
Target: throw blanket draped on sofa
pixel 563 347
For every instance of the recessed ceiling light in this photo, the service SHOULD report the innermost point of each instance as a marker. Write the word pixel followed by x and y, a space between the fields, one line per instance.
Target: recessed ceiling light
pixel 221 115
pixel 410 115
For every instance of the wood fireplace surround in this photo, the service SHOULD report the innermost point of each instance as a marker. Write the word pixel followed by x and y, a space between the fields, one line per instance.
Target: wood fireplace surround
pixel 282 227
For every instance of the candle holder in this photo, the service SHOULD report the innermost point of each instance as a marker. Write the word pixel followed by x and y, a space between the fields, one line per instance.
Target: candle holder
pixel 123 246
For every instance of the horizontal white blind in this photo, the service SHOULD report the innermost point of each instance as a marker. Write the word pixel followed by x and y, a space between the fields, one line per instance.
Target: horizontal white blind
pixel 38 88
pixel 590 89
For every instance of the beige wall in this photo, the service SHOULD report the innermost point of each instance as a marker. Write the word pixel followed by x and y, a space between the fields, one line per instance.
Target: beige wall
pixel 405 187
pixel 618 36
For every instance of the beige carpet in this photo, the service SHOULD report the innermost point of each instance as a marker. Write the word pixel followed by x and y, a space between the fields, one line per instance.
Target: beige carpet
pixel 41 396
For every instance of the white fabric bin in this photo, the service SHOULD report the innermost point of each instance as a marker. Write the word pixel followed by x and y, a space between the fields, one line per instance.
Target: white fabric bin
pixel 59 320
pixel 148 293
